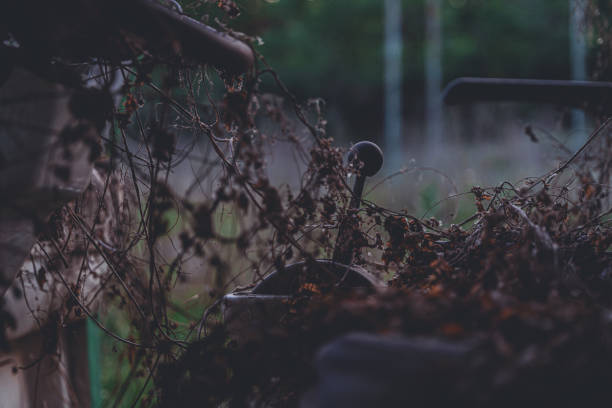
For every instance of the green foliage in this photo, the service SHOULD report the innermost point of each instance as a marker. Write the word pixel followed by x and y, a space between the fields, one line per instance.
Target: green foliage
pixel 520 38
pixel 323 47
pixel 429 197
pixel 334 49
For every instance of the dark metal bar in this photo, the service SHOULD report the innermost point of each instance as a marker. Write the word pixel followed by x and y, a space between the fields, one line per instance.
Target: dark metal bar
pixel 118 29
pixel 577 94
pixel 367 159
pixel 199 41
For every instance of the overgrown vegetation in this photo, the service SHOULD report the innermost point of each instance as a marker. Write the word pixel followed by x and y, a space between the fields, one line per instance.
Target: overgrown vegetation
pixel 528 276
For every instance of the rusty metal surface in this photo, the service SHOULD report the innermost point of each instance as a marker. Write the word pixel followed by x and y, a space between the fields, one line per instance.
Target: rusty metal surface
pixel 55 381
pixel 249 315
pixel 200 41
pixel 286 282
pixel 118 30
pixel 39 170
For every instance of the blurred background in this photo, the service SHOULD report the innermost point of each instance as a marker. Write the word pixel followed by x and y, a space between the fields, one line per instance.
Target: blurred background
pixel 378 69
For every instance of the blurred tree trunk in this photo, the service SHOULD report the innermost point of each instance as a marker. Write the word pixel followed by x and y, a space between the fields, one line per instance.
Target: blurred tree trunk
pixel 393 84
pixel 433 74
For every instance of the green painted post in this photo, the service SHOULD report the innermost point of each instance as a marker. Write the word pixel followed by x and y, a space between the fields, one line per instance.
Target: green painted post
pixel 93 359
